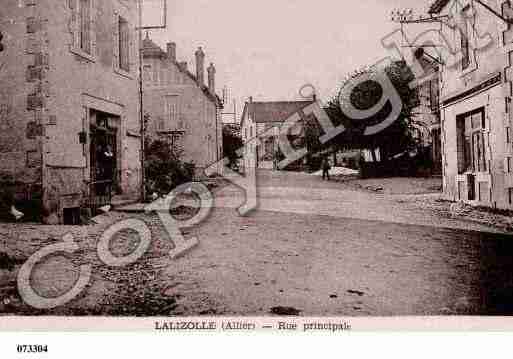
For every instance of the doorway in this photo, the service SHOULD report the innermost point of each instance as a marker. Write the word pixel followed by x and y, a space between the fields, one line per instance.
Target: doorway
pixel 103 159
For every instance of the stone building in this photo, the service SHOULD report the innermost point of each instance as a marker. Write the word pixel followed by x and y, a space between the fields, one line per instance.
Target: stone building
pixel 181 107
pixel 69 103
pixel 476 102
pixel 261 123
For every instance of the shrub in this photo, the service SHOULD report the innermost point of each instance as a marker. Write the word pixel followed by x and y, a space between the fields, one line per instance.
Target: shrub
pixel 163 168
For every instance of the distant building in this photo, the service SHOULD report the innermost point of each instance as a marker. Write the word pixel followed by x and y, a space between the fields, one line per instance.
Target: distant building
pixel 181 107
pixel 260 127
pixel 476 111
pixel 69 103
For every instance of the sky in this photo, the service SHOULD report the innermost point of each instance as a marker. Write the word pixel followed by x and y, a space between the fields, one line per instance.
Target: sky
pixel 269 49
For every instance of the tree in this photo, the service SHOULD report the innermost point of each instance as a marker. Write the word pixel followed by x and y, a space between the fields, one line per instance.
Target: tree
pixel 232 142
pixel 392 140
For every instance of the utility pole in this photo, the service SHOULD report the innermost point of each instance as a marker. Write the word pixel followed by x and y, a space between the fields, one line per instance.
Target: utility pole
pixel 141 108
pixel 140 29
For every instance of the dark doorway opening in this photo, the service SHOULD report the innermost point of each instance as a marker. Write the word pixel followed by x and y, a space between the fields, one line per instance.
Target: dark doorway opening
pixel 71 216
pixel 103 159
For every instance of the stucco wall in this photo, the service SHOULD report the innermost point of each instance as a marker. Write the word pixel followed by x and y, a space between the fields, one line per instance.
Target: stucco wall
pixel 486 61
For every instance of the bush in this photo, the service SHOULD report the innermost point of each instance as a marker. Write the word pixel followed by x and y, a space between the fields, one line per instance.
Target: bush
pixel 163 168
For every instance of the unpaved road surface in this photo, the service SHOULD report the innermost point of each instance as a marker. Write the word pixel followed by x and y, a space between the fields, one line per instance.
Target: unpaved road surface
pixel 321 248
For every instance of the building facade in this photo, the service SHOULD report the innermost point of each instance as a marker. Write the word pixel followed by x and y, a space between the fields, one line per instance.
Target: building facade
pixel 475 103
pixel 261 123
pixel 181 107
pixel 69 102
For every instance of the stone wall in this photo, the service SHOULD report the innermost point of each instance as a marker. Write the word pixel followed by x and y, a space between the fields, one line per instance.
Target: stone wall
pixel 53 85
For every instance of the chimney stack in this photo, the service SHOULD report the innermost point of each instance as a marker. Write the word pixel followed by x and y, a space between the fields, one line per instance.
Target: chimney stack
pixel 200 66
pixel 171 51
pixel 183 65
pixel 212 78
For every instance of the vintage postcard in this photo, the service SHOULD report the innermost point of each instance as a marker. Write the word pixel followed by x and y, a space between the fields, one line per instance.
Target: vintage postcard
pixel 256 166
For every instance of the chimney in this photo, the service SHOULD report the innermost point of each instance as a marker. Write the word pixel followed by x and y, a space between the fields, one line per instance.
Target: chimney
pixel 200 66
pixel 212 78
pixel 171 51
pixel 250 99
pixel 183 65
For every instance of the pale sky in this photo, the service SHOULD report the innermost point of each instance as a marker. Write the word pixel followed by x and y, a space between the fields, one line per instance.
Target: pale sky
pixel 269 49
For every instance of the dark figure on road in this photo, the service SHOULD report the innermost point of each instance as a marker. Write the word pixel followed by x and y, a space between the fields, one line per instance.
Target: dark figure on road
pixel 326 169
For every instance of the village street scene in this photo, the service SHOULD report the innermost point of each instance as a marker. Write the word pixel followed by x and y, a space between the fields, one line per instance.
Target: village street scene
pixel 155 162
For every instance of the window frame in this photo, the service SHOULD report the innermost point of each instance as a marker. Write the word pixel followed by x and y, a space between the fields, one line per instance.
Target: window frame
pixel 118 17
pixel 123 43
pixel 172 113
pixel 76 28
pixel 472 138
pixel 465 44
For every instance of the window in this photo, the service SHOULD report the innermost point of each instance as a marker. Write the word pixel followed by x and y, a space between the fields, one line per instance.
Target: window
pixel 163 77
pixel 465 44
pixel 82 27
pixel 155 76
pixel 507 12
pixel 172 112
pixel 508 134
pixel 147 73
pixel 84 33
pixel 434 95
pixel 177 141
pixel 471 149
pixel 161 124
pixel 124 44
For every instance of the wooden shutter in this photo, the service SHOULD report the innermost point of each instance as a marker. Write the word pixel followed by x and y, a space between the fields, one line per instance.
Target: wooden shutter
pixel 85 26
pixel 465 51
pixel 124 45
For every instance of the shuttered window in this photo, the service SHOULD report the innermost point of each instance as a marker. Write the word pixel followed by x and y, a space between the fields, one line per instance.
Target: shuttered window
pixel 85 25
pixel 471 142
pixel 124 45
pixel 172 111
pixel 465 44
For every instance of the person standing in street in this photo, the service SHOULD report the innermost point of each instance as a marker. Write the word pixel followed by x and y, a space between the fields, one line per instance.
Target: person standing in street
pixel 326 169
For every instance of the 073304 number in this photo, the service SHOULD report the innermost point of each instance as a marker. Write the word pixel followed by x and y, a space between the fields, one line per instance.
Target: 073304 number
pixel 32 348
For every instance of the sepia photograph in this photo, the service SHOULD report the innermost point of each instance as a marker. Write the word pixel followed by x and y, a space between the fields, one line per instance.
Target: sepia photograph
pixel 267 161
